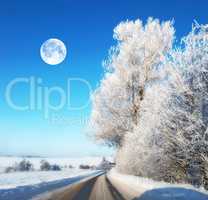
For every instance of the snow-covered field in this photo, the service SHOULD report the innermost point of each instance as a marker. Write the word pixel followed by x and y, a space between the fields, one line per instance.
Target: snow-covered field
pixel 16 179
pixel 75 162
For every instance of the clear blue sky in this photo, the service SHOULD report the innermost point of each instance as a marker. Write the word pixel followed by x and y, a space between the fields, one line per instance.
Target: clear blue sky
pixel 86 27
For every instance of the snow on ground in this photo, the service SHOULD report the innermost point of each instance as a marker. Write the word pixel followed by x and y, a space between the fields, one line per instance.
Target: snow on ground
pixel 16 179
pixel 32 191
pixel 146 188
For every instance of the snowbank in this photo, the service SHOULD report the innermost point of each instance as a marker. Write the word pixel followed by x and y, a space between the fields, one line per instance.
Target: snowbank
pixel 132 187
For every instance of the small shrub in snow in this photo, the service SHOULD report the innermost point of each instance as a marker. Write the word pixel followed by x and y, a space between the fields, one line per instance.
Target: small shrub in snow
pixel 55 168
pixel 24 165
pixel 9 169
pixel 45 165
pixel 70 167
pixel 84 167
pixel 104 165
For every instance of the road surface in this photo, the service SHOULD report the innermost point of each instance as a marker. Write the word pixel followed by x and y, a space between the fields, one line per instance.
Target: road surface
pixel 97 188
pixel 100 187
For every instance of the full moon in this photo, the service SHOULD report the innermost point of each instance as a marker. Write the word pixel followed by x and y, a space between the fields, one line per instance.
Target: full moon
pixel 53 51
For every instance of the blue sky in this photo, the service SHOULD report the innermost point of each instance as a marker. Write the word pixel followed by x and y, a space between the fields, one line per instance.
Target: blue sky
pixel 86 27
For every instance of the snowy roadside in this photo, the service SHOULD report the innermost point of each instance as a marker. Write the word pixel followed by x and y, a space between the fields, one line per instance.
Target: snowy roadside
pixel 26 192
pixel 133 187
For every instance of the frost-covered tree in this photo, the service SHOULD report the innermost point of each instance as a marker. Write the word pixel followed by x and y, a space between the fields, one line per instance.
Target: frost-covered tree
pixel 132 66
pixel 45 165
pixel 174 141
pixel 152 103
pixel 185 120
pixel 142 152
